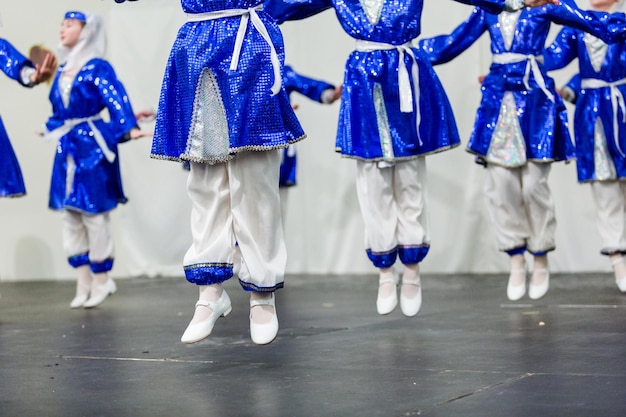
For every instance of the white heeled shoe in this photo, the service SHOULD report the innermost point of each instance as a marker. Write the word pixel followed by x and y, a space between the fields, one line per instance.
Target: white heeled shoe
pixel 411 306
pixel 103 291
pixel 621 282
pixel 264 333
pixel 516 292
pixel 385 305
pixel 196 332
pixel 537 291
pixel 79 300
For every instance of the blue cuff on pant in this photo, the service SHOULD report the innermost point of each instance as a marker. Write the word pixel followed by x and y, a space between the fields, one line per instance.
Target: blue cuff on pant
pixel 410 255
pixel 79 260
pixel 208 273
pixel 383 259
pixel 102 266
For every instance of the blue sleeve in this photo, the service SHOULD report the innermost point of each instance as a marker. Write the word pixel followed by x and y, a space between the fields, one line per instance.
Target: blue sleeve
pixel 309 87
pixel 444 48
pixel 113 94
pixel 491 6
pixel 610 28
pixel 562 51
pixel 11 61
pixel 283 10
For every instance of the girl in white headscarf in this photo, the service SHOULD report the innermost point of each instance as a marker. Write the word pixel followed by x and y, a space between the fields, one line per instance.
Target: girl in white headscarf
pixel 86 183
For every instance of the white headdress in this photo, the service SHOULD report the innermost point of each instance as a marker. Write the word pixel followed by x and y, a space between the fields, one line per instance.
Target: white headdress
pixel 91 42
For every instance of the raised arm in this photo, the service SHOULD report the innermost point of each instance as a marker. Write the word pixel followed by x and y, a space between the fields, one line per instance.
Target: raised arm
pixel 608 27
pixel 496 6
pixel 283 10
pixel 562 51
pixel 444 48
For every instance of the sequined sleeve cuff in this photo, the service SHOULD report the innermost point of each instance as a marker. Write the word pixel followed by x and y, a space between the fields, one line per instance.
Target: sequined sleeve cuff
pixel 25 75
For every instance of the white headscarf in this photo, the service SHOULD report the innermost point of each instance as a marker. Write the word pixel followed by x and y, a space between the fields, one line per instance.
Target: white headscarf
pixel 91 44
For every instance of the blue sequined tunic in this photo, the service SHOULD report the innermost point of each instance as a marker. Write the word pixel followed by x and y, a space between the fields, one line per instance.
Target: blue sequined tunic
pixel 600 147
pixel 11 181
pixel 210 109
pixel 373 123
pixel 86 174
pixel 519 118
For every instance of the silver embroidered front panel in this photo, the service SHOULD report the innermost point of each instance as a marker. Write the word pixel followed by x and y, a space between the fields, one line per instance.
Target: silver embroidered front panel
pixel 603 163
pixel 508 26
pixel 373 9
pixel 507 147
pixel 384 132
pixel 597 49
pixel 65 87
pixel 208 135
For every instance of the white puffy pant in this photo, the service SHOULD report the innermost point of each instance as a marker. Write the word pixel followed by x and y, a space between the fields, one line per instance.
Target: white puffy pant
pixel 521 207
pixel 610 199
pixel 394 207
pixel 87 239
pixel 237 202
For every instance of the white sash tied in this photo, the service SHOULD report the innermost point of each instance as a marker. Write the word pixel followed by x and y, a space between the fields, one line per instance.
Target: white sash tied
pixel 69 124
pixel 246 16
pixel 617 102
pixel 531 65
pixel 407 95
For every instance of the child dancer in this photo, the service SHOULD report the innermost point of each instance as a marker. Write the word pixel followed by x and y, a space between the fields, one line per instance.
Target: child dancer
pixel 223 109
pixel 599 126
pixel 86 183
pixel 383 124
pixel 17 67
pixel 520 129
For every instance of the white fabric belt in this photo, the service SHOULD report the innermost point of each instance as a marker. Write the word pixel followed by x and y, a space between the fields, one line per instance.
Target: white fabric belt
pixel 617 102
pixel 407 94
pixel 69 124
pixel 246 15
pixel 531 65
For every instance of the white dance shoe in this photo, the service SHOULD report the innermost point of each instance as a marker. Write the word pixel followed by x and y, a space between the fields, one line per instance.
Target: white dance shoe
pixel 262 334
pixel 79 300
pixel 101 293
pixel 200 330
pixel 621 282
pixel 537 291
pixel 411 306
pixel 515 292
pixel 386 304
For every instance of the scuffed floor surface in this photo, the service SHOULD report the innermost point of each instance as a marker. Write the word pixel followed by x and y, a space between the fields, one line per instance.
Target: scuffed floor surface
pixel 469 353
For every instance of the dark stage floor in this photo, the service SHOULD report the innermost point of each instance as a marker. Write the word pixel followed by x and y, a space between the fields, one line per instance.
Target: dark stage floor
pixel 469 353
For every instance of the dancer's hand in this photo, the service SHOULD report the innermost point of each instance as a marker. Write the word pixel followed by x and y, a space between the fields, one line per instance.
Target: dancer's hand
pixel 138 133
pixel 45 70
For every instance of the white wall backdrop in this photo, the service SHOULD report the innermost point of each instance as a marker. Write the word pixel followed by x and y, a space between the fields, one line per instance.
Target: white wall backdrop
pixel 325 231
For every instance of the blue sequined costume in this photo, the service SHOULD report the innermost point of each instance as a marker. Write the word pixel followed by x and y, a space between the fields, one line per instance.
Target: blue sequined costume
pixel 597 88
pixel 534 125
pixel 11 181
pixel 313 89
pixel 380 113
pixel 215 102
pixel 96 185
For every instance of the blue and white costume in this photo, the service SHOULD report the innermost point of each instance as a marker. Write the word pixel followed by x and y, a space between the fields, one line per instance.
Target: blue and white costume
pixel 17 67
pixel 223 108
pixel 86 182
pixel 599 124
pixel 521 124
pixel 393 112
